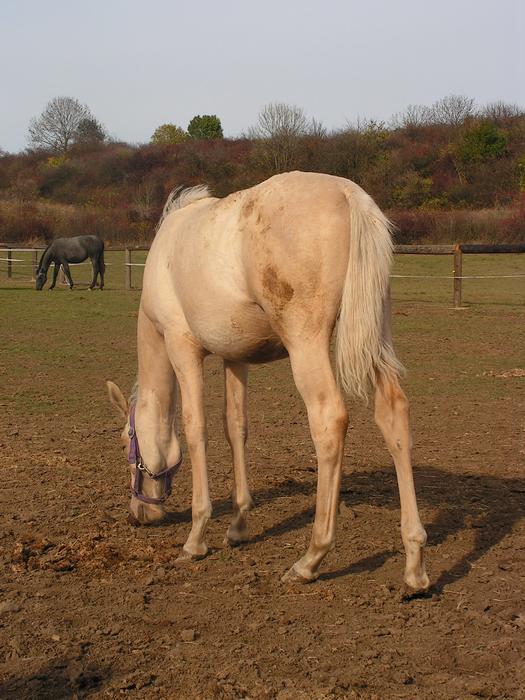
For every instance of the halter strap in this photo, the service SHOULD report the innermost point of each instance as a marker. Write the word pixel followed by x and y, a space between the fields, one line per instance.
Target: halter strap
pixel 141 469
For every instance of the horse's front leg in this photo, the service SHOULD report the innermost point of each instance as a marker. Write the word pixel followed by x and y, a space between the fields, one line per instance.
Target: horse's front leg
pixel 187 362
pixel 56 270
pixel 328 419
pixel 67 273
pixel 236 430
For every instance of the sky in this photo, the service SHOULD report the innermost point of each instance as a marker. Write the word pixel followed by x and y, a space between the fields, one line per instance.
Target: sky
pixel 139 64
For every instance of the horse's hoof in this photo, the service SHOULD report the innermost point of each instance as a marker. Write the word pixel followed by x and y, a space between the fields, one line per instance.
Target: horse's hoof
pixel 186 557
pixel 293 576
pixel 236 539
pixel 416 589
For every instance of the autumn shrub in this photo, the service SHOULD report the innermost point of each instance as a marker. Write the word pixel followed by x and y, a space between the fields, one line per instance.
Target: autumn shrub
pixel 512 227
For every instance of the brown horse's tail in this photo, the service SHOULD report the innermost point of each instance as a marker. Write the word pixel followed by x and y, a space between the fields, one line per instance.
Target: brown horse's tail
pixel 363 346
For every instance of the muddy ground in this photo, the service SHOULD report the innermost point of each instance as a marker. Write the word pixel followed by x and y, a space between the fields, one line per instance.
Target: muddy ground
pixel 91 607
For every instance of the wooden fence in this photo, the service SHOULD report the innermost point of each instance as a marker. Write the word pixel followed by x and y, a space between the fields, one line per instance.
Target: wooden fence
pixel 457 250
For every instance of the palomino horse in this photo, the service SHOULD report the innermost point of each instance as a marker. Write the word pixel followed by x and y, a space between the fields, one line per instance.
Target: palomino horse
pixel 76 249
pixel 253 277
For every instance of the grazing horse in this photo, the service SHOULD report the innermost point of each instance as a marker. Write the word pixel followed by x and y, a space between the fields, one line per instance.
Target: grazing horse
pixel 259 275
pixel 63 251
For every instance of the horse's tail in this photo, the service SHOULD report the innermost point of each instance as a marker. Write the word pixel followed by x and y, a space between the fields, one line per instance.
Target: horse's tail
pixel 180 197
pixel 101 262
pixel 363 346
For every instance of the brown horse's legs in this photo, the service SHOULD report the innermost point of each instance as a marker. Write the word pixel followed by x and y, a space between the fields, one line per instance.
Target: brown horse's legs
pixel 392 417
pixel 236 430
pixel 187 362
pixel 328 419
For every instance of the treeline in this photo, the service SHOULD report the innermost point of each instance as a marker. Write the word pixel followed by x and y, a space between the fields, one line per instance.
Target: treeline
pixel 456 175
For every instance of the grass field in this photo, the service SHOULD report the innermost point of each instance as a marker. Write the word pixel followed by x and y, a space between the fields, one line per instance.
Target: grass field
pixel 430 281
pixel 91 607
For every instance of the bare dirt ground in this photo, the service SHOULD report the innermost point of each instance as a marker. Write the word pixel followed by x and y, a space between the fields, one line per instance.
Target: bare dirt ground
pixel 91 607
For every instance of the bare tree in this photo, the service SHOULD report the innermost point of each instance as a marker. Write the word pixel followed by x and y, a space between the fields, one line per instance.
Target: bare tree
pixel 452 110
pixel 500 111
pixel 414 116
pixel 56 127
pixel 278 128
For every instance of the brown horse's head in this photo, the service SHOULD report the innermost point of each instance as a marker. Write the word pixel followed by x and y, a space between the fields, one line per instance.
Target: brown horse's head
pixel 140 513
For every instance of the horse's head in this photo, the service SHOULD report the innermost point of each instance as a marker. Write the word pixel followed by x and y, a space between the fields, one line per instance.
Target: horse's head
pixel 141 513
pixel 41 279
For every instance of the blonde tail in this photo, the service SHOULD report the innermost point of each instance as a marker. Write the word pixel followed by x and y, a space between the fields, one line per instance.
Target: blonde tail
pixel 363 343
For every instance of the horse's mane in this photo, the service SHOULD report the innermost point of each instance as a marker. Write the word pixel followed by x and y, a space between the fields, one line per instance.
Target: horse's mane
pixel 180 197
pixel 42 256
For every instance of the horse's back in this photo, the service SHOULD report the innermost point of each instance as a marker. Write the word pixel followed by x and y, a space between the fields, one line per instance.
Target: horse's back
pixel 248 271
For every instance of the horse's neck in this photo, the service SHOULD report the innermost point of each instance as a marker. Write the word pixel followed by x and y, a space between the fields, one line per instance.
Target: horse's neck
pixel 46 259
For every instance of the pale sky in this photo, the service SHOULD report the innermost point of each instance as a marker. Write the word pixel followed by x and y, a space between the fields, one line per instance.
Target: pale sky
pixel 139 64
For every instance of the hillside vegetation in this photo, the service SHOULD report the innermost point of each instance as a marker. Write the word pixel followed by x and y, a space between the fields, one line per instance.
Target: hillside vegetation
pixel 438 182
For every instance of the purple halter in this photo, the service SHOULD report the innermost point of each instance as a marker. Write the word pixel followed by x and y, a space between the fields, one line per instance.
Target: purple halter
pixel 134 457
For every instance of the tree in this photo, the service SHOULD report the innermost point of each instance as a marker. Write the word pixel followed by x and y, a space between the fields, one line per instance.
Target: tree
pixel 169 133
pixel 482 143
pixel 413 117
pixel 207 126
pixel 500 111
pixel 452 110
pixel 89 131
pixel 56 127
pixel 278 129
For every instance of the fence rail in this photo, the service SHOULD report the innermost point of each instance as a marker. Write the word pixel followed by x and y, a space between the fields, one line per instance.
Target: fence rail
pixel 457 251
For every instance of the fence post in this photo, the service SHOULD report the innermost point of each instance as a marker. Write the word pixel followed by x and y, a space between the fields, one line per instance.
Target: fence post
pixel 458 272
pixel 128 268
pixel 35 264
pixel 9 263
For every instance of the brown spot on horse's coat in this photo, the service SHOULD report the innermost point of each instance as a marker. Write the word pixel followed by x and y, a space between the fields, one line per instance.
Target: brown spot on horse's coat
pixel 248 208
pixel 277 289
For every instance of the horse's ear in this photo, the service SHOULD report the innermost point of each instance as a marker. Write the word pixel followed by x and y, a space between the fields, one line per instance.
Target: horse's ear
pixel 117 398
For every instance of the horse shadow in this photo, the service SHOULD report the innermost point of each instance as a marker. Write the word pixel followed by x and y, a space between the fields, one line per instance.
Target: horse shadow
pixel 488 505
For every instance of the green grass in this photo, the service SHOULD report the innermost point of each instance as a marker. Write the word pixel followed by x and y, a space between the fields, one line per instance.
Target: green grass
pixel 430 288
pixel 77 339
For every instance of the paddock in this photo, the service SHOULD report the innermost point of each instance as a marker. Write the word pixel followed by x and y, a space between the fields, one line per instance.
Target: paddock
pixel 90 607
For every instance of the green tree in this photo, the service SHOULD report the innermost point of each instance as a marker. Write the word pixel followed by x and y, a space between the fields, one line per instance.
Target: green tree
pixel 169 133
pixel 90 131
pixel 482 143
pixel 207 126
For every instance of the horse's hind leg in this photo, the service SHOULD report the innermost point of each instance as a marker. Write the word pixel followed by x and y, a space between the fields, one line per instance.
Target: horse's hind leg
pixel 101 270
pixel 328 419
pixel 95 265
pixel 392 417
pixel 236 430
